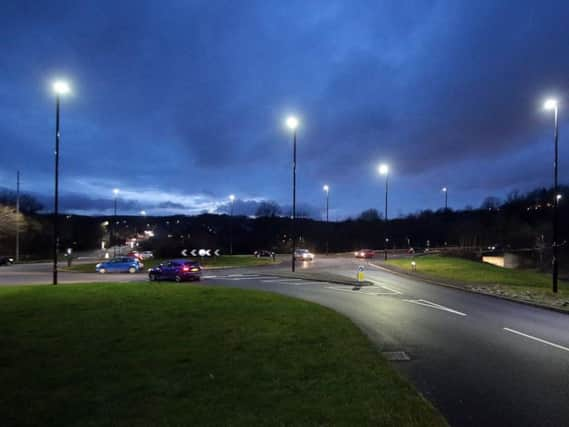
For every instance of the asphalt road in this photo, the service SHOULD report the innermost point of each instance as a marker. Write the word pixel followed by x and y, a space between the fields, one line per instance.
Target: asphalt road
pixel 482 361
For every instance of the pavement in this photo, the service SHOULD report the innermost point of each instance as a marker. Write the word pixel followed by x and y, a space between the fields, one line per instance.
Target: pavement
pixel 480 360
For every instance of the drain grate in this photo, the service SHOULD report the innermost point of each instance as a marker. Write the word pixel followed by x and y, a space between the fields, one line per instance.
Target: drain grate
pixel 396 356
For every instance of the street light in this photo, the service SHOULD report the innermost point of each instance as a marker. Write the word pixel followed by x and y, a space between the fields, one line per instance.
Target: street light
pixel 445 190
pixel 60 88
pixel 116 192
pixel 143 213
pixel 292 124
pixel 384 170
pixel 232 200
pixel 552 104
pixel 326 189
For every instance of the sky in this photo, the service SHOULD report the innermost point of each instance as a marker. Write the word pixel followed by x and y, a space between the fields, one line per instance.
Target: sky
pixel 181 103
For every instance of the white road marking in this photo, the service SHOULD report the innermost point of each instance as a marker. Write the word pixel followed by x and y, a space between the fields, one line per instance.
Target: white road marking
pixel 393 291
pixel 242 275
pixel 552 344
pixel 209 277
pixel 280 280
pixel 430 304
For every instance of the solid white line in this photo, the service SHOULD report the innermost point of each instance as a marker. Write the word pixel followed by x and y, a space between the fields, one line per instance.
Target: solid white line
pixel 552 344
pixel 436 306
pixel 395 291
pixel 280 280
pixel 209 277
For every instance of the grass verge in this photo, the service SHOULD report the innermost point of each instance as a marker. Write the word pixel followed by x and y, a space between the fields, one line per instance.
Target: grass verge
pixel 526 285
pixel 217 262
pixel 146 354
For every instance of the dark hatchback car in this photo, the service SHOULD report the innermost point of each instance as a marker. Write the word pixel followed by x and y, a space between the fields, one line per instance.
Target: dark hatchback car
pixel 176 269
pixel 4 260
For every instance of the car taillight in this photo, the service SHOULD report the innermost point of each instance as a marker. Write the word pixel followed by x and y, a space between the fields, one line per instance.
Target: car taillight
pixel 185 268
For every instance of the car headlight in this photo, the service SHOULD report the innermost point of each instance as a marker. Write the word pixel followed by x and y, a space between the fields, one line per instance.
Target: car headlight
pixel 98 266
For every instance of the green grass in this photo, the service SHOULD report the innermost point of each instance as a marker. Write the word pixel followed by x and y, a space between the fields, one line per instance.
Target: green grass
pixel 147 354
pixel 508 281
pixel 220 261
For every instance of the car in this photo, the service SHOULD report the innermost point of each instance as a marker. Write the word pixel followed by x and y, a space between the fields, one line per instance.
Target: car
pixel 123 264
pixel 365 253
pixel 304 255
pixel 134 254
pixel 5 260
pixel 146 255
pixel 263 253
pixel 178 270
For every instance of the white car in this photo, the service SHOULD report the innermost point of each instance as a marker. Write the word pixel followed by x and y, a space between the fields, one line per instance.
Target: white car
pixel 304 255
pixel 146 255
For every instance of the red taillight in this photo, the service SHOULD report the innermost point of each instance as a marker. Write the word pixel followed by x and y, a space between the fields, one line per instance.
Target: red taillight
pixel 185 268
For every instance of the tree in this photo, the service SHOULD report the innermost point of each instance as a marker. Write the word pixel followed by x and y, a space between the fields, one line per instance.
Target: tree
pixel 268 209
pixel 370 215
pixel 490 203
pixel 28 203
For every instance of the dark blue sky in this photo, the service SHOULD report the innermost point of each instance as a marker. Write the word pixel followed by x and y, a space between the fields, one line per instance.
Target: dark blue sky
pixel 180 104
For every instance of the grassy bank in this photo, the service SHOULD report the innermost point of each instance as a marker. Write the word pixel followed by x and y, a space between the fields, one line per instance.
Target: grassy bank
pixel 144 354
pixel 521 284
pixel 217 262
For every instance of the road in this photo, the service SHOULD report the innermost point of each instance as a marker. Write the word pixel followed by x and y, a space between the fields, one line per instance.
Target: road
pixel 481 360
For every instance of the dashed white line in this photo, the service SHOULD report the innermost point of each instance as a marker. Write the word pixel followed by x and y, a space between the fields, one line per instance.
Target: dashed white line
pixel 436 306
pixel 531 337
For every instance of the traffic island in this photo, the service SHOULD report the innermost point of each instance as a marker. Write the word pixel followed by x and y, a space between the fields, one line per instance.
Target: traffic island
pixel 523 286
pixel 146 354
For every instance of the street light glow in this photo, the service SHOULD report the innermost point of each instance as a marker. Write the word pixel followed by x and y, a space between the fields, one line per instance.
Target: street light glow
pixel 116 191
pixel 143 213
pixel 444 189
pixel 550 104
pixel 326 188
pixel 383 169
pixel 292 122
pixel 559 197
pixel 61 87
pixel 232 197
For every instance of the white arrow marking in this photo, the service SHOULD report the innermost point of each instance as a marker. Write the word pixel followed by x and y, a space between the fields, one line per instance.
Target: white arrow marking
pixel 185 252
pixel 193 252
pixel 216 252
pixel 552 344
pixel 430 304
pixel 207 252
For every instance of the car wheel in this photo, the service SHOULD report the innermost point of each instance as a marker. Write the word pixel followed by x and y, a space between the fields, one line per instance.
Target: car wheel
pixel 178 279
pixel 102 270
pixel 132 270
pixel 152 277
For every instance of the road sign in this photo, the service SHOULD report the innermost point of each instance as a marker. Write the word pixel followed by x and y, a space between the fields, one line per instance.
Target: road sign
pixel 185 252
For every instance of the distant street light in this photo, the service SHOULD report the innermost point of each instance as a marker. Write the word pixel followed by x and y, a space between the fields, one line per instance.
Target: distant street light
pixel 116 192
pixel 445 190
pixel 292 124
pixel 326 189
pixel 143 213
pixel 232 200
pixel 60 88
pixel 552 104
pixel 384 170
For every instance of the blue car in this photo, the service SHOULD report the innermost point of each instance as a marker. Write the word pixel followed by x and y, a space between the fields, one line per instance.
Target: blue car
pixel 119 265
pixel 176 269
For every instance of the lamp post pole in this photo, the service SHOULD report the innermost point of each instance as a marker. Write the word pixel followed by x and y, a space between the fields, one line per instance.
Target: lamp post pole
pixel 232 199
pixel 552 104
pixel 386 219
pixel 17 217
pixel 56 192
pixel 327 190
pixel 293 262
pixel 555 202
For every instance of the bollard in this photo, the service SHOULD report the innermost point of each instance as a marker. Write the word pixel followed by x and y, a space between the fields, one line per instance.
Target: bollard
pixel 413 266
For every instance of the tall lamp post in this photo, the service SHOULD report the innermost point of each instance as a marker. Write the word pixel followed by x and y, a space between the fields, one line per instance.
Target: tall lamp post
pixel 232 200
pixel 326 189
pixel 445 190
pixel 292 124
pixel 384 170
pixel 17 217
pixel 113 230
pixel 552 104
pixel 60 89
